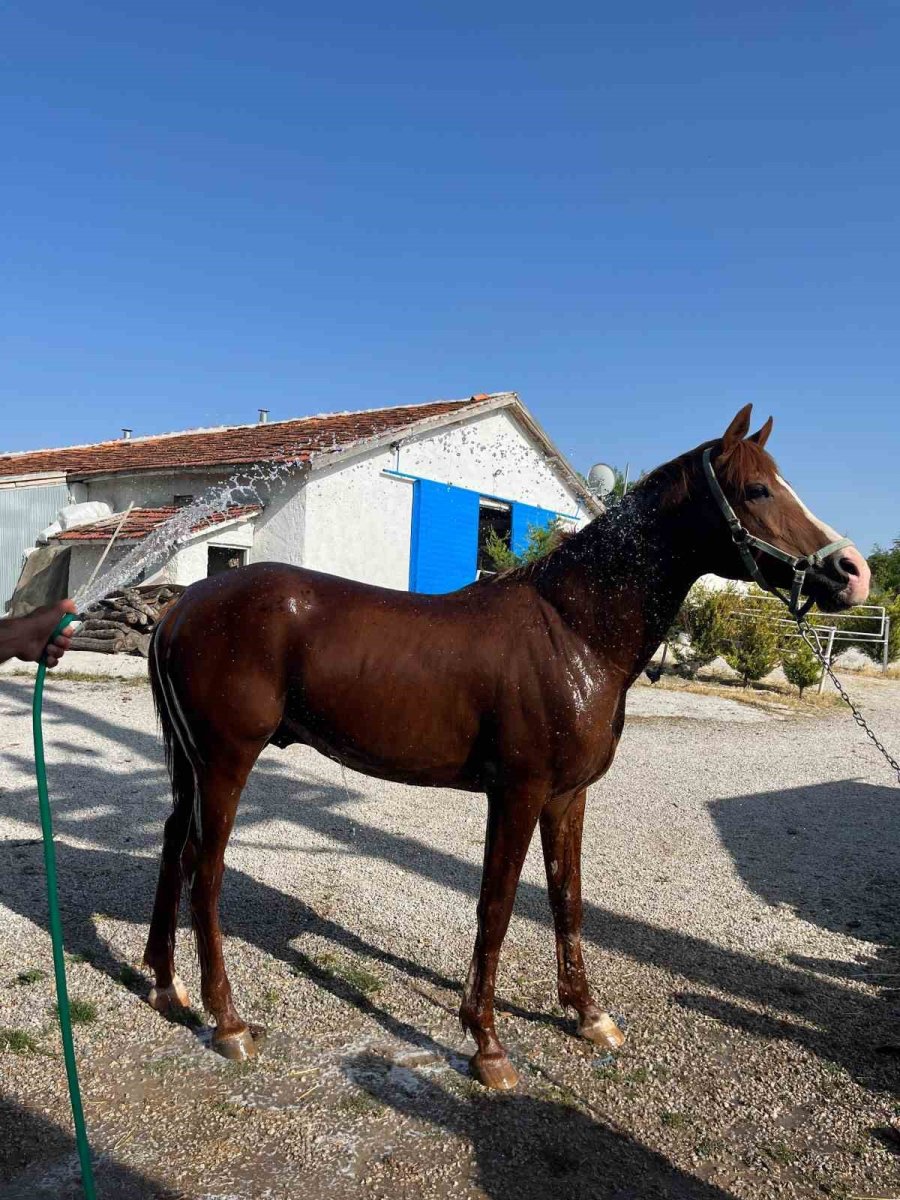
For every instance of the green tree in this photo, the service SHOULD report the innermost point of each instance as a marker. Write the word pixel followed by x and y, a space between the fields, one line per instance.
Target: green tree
pixel 885 566
pixel 541 540
pixel 754 642
pixel 800 665
pixel 619 486
pixel 702 627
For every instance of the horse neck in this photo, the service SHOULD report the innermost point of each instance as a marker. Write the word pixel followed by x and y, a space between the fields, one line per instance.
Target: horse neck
pixel 620 581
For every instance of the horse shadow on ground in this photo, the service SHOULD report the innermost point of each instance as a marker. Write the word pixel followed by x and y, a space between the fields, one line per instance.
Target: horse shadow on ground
pixel 834 1022
pixel 38 1161
pixel 531 1149
pixel 827 851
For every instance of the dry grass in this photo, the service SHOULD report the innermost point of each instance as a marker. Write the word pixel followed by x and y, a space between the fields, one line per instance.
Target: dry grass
pixel 871 671
pixel 57 677
pixel 763 695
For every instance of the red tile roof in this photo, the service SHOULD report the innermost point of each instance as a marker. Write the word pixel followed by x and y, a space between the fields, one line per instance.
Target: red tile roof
pixel 141 521
pixel 275 441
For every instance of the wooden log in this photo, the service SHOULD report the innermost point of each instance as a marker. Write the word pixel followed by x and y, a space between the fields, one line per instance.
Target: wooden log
pixel 131 616
pixel 99 647
pixel 137 643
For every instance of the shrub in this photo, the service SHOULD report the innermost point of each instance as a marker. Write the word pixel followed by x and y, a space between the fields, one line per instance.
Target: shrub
pixel 754 642
pixel 856 621
pixel 885 564
pixel 702 628
pixel 541 540
pixel 500 554
pixel 800 665
pixel 875 650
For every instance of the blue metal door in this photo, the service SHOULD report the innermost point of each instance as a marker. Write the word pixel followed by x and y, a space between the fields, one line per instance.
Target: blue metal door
pixel 444 540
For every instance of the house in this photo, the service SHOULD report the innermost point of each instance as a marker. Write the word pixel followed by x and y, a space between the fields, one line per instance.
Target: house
pixel 403 497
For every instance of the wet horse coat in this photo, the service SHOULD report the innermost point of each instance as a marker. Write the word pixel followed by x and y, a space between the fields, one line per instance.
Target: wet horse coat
pixel 514 687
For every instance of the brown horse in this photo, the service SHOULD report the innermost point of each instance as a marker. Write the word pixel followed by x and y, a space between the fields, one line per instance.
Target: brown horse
pixel 513 687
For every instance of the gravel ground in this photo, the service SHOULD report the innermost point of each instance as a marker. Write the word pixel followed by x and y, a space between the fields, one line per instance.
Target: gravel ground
pixel 740 883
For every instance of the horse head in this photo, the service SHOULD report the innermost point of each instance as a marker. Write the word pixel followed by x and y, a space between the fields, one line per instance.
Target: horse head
pixel 747 501
pixel 746 521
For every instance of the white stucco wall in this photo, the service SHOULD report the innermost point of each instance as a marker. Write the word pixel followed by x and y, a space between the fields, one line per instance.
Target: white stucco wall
pixel 358 520
pixel 280 527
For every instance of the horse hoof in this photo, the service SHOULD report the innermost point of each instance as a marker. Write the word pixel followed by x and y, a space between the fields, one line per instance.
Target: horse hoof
pixel 240 1046
pixel 167 998
pixel 495 1072
pixel 601 1029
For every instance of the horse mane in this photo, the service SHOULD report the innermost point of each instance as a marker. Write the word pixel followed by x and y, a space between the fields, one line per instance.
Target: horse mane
pixel 663 488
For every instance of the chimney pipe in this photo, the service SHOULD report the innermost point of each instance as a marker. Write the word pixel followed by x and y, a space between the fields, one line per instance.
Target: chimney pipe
pixel 263 416
pixel 126 433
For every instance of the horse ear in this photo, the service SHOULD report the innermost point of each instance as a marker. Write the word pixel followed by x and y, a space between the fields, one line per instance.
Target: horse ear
pixel 762 435
pixel 738 429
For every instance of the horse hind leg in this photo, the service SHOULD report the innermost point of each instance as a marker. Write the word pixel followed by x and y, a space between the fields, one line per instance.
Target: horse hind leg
pixel 562 822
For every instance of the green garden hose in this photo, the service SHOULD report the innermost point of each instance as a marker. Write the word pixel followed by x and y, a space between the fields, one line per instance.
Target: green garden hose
pixel 56 936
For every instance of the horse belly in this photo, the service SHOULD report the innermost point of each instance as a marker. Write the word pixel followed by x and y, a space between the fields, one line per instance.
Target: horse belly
pixel 401 737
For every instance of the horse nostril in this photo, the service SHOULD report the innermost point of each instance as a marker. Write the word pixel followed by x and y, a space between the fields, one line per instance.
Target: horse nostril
pixel 849 567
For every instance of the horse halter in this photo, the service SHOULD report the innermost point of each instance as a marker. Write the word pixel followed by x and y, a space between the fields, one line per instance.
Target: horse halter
pixel 744 540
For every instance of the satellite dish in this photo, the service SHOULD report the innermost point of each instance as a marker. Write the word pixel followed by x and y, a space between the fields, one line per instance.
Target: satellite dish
pixel 601 480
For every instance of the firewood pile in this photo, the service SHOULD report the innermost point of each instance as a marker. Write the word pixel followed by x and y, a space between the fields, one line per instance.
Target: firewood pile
pixel 121 623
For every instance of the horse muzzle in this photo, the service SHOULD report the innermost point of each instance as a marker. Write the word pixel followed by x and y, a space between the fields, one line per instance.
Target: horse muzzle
pixel 842 581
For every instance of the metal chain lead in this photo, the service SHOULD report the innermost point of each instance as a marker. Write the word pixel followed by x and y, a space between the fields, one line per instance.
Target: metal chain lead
pixel 805 630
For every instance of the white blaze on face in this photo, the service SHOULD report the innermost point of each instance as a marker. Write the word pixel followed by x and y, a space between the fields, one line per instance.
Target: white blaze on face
pixel 828 534
pixel 852 562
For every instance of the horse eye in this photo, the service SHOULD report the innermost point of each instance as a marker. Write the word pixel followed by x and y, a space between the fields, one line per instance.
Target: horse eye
pixel 757 491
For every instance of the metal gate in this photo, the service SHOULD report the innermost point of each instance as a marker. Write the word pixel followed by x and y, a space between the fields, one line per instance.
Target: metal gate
pixel 832 630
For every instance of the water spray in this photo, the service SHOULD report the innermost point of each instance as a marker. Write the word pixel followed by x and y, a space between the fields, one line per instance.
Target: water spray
pixel 258 483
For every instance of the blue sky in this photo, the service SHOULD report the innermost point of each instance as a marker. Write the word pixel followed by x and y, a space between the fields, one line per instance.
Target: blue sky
pixel 638 217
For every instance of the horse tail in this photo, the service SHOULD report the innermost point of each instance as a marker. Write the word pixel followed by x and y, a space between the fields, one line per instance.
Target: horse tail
pixel 180 766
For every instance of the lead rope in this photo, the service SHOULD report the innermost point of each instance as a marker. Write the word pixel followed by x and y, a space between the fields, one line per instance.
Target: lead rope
pixel 806 632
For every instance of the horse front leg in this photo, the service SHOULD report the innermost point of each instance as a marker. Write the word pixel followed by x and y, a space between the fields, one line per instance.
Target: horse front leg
pixel 512 816
pixel 562 822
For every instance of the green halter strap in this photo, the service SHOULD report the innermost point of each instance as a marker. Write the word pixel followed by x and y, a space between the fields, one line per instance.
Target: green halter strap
pixel 746 542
